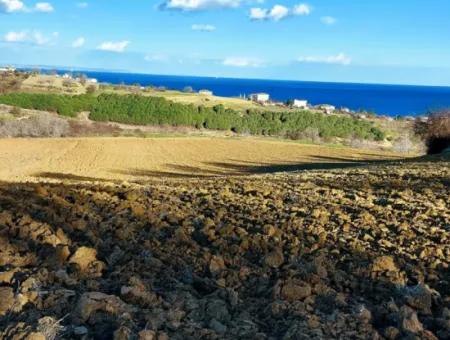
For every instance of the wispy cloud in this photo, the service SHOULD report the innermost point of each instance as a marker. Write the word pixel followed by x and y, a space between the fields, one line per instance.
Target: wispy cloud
pixel 34 38
pixel 278 12
pixel 327 20
pixel 156 58
pixel 242 62
pixel 15 37
pixel 198 5
pixel 82 4
pixel 203 28
pixel 79 42
pixel 111 46
pixel 339 59
pixel 44 7
pixel 302 9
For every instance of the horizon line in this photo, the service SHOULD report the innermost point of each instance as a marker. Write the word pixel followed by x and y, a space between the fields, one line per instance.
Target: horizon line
pixel 94 69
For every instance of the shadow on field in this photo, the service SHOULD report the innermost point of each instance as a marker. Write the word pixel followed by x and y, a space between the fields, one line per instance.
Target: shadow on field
pixel 69 177
pixel 243 168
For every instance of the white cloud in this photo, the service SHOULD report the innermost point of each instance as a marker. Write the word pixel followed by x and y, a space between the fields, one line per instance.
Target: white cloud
pixel 9 6
pixel 278 12
pixel 258 13
pixel 82 4
pixel 328 20
pixel 15 37
pixel 302 9
pixel 156 58
pixel 111 46
pixel 339 59
pixel 44 7
pixel 35 37
pixel 198 5
pixel 79 42
pixel 203 28
pixel 242 62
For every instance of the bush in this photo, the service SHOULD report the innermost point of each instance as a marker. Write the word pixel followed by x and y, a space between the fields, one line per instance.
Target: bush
pixel 15 111
pixel 435 131
pixel 42 125
pixel 91 89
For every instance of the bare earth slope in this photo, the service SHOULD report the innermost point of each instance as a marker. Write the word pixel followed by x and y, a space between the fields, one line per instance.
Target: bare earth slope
pixel 138 159
pixel 353 254
pixel 360 252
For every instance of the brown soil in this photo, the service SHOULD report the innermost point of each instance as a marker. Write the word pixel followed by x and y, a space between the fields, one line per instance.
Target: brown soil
pixel 355 253
pixel 139 159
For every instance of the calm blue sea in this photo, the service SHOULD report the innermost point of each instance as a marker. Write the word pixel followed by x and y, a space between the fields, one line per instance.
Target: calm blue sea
pixel 390 100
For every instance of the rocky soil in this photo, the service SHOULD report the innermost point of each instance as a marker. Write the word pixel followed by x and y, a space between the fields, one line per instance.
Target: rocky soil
pixel 359 253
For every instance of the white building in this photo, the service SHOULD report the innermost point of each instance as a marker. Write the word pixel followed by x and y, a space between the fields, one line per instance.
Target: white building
pixel 7 69
pixel 205 92
pixel 260 97
pixel 301 104
pixel 328 109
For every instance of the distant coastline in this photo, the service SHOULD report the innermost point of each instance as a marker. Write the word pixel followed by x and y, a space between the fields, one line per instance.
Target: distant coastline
pixel 391 100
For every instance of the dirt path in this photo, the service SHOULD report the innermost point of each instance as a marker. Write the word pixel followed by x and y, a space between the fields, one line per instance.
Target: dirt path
pixel 137 159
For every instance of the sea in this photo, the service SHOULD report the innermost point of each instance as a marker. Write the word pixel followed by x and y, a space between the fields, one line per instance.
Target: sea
pixel 391 100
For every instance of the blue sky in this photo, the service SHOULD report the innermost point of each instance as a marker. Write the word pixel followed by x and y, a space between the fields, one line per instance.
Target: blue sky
pixel 383 41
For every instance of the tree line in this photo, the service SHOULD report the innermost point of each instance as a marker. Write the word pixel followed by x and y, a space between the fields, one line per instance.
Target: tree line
pixel 146 110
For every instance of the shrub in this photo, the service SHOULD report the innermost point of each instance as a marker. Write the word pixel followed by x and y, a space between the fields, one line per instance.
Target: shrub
pixel 435 131
pixel 42 125
pixel 15 111
pixel 91 89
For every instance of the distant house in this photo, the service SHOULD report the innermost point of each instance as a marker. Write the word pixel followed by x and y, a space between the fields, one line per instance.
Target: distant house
pixel 205 92
pixel 300 104
pixel 345 110
pixel 66 76
pixel 328 109
pixel 259 97
pixel 7 69
pixel 94 81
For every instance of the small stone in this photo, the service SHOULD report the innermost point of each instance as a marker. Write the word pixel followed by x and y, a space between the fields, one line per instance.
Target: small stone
pixel 409 323
pixel 147 335
pixel 83 257
pixel 80 330
pixel 6 300
pixel 123 333
pixel 36 336
pixel 6 277
pixel 275 258
pixel 217 326
pixel 364 314
pixel 384 264
pixel 419 297
pixel 391 333
pixel 217 309
pixel 216 265
pixel 94 301
pixel 62 253
pixel 293 290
